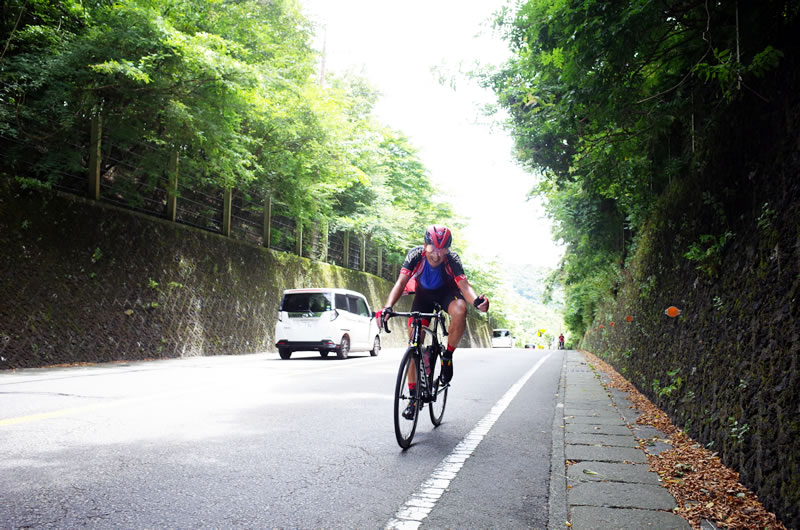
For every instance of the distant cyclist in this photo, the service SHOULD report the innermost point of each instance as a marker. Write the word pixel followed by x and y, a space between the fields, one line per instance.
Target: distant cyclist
pixel 433 273
pixel 561 342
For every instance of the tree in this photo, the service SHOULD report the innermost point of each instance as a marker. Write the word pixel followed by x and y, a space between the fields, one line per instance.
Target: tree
pixel 608 102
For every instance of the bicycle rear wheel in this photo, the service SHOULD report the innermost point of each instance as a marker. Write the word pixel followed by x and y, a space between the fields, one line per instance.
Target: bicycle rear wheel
pixel 438 391
pixel 404 428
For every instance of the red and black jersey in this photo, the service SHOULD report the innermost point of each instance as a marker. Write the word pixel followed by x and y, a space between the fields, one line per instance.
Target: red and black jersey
pixel 415 266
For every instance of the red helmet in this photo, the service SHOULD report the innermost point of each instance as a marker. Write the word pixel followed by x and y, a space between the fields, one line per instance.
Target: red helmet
pixel 438 236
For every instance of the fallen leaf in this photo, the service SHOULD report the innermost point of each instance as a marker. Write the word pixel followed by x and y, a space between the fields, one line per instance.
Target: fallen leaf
pixel 711 483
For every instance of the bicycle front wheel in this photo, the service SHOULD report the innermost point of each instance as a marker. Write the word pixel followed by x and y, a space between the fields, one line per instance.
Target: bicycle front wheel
pixel 404 428
pixel 438 391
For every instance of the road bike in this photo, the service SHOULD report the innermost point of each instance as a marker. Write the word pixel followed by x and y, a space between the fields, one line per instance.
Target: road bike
pixel 429 389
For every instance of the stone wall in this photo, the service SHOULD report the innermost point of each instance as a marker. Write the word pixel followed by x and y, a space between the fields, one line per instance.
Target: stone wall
pixel 86 282
pixel 727 368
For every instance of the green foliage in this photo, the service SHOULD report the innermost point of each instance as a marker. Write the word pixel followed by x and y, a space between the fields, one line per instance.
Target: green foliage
pixel 230 86
pixel 738 431
pixel 727 72
pixel 767 218
pixel 606 101
pixel 675 384
pixel 707 253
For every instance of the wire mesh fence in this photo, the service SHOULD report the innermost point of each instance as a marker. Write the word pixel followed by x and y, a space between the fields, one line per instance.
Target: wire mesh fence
pixel 201 208
pixel 283 235
pixel 49 157
pixel 355 254
pixel 247 219
pixel 314 242
pixel 132 168
pixel 336 248
pixel 136 174
pixel 123 186
pixel 372 258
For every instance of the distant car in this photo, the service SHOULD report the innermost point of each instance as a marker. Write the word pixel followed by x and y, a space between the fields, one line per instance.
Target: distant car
pixel 502 338
pixel 530 346
pixel 325 320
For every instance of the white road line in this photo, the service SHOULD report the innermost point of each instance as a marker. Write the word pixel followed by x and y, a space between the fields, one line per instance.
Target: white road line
pixel 423 501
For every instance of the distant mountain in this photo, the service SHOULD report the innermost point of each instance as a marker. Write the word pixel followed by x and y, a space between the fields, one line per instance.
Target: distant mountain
pixel 527 312
pixel 530 281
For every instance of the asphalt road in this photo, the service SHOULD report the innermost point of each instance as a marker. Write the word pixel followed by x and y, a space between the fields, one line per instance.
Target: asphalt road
pixel 255 441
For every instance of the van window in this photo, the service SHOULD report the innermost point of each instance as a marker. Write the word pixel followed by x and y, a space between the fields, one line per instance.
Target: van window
pixel 304 303
pixel 358 306
pixel 497 333
pixel 341 302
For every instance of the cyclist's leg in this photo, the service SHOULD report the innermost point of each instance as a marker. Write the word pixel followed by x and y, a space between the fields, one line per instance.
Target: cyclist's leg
pixel 456 307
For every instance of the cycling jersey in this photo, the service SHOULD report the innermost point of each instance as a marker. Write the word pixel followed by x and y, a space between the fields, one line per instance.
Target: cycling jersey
pixel 430 278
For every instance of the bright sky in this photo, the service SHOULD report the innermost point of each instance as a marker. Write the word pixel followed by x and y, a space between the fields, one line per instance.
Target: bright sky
pixel 395 45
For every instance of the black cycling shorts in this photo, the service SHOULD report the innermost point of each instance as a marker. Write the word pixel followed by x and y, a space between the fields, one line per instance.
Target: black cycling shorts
pixel 424 299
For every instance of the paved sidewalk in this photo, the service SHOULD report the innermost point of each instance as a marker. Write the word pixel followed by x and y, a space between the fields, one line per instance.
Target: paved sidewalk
pixel 609 485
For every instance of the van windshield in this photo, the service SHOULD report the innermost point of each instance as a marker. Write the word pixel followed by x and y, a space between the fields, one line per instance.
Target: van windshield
pixel 497 333
pixel 301 304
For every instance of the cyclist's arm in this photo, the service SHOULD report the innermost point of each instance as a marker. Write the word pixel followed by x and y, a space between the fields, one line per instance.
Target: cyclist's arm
pixel 466 289
pixel 397 290
pixel 470 296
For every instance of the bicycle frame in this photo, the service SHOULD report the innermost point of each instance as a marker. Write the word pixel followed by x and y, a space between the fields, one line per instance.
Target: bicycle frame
pixel 417 330
pixel 428 386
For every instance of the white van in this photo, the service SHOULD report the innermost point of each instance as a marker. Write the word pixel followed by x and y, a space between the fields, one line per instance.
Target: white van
pixel 325 320
pixel 502 338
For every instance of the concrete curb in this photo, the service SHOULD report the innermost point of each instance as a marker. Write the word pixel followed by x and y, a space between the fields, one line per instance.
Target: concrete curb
pixel 608 483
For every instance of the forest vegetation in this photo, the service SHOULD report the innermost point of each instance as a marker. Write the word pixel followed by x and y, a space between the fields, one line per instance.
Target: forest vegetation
pixel 235 90
pixel 664 135
pixel 612 104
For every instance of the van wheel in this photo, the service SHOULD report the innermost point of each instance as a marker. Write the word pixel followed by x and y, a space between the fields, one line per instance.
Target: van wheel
pixel 376 346
pixel 285 353
pixel 344 348
pixel 324 353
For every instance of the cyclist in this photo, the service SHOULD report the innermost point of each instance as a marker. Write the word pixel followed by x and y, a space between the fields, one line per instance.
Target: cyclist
pixel 561 342
pixel 433 273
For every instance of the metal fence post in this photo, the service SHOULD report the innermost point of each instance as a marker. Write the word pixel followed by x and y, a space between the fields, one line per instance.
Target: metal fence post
pixel 363 255
pixel 172 193
pixel 226 212
pixel 325 242
pixel 379 272
pixel 298 232
pixel 94 158
pixel 267 220
pixel 346 249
